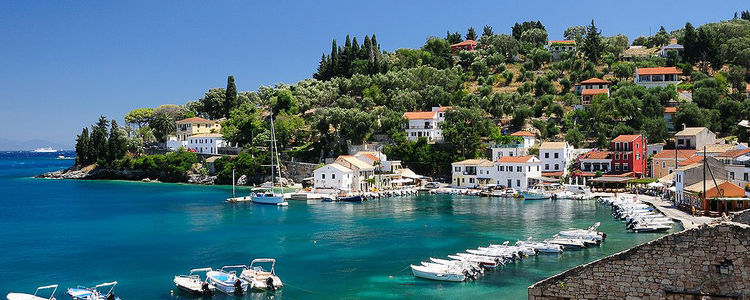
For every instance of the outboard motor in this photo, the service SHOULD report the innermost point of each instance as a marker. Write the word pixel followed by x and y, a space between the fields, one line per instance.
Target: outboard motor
pixel 238 287
pixel 269 284
pixel 206 290
pixel 110 296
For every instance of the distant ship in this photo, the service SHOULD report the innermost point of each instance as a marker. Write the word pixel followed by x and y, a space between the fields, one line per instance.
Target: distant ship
pixel 45 150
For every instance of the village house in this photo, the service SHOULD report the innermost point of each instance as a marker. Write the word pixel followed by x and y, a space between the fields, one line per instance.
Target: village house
pixel 468 45
pixel 333 177
pixel 592 84
pixel 629 155
pixel 517 149
pixel 669 114
pixel 362 172
pixel 557 48
pixel 555 158
pixel 466 173
pixel 694 138
pixel 634 53
pixel 737 164
pixel 661 76
pixel 716 149
pixel 707 188
pixel 380 161
pixel 207 143
pixel 673 46
pixel 654 148
pixel 595 161
pixel 195 125
pixel 588 95
pixel 518 172
pixel 426 124
pixel 664 162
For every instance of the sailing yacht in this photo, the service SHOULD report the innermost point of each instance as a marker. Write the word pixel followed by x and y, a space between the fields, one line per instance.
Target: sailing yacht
pixel 270 195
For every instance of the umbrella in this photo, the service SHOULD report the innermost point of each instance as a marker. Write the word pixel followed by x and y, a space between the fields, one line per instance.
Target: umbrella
pixel 656 185
pixel 673 189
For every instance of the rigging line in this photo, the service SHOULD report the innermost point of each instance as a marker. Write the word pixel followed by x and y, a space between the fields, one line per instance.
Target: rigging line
pixel 299 288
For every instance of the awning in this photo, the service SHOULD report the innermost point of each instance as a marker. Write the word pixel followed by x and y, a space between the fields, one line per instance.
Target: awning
pixel 401 181
pixel 611 179
pixel 655 185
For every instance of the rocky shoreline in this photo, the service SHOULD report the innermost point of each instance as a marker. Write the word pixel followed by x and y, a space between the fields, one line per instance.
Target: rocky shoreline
pixel 90 173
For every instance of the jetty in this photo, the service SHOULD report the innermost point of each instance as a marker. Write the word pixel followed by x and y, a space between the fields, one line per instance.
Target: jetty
pixel 673 212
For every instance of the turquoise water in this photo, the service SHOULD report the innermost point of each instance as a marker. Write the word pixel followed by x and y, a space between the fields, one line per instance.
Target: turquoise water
pixel 142 234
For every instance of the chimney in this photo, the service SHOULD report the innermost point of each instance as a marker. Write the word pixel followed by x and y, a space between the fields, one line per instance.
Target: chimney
pixel 672 41
pixel 684 126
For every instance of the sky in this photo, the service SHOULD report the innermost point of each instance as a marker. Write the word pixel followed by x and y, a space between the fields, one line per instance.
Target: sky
pixel 64 63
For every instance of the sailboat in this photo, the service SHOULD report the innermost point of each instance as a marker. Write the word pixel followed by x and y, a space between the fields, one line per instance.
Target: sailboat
pixel 270 196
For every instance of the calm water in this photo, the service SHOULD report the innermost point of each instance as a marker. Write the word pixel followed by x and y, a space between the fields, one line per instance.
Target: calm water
pixel 142 234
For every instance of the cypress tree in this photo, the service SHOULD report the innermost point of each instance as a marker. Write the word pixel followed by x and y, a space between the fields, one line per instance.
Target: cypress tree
pixel 116 146
pixel 487 31
pixel 230 96
pixel 471 34
pixel 334 60
pixel 355 49
pixel 98 144
pixel 83 156
pixel 592 44
pixel 322 73
pixel 690 42
pixel 366 49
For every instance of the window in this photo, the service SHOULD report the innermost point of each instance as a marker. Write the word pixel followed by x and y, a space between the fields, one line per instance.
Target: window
pixel 502 168
pixel 323 176
pixel 546 166
pixel 333 175
pixel 546 155
pixel 731 175
pixel 557 166
pixel 617 167
pixel 519 169
pixel 537 168
pixel 625 167
pixel 745 177
pixel 557 155
pixel 617 156
pixel 518 182
pixel 457 169
pixel 625 156
pixel 664 164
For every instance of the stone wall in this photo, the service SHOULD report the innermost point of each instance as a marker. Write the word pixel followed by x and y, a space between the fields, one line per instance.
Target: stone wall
pixel 297 171
pixel 706 262
pixel 741 217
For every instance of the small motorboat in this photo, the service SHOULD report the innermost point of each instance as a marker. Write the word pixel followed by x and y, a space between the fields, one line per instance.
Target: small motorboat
pixel 261 278
pixel 541 247
pixel 484 261
pixel 84 293
pixel 192 283
pixel 568 244
pixel 536 194
pixel 227 281
pixel 440 274
pixel 24 296
pixel 355 198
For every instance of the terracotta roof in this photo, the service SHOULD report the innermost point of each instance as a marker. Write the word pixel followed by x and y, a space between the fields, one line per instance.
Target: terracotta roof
pixel 370 156
pixel 552 174
pixel 626 138
pixel 553 145
pixel 563 42
pixel 658 71
pixel 730 190
pixel 595 80
pixel 596 155
pixel 195 120
pixel 419 115
pixel 670 110
pixel 515 159
pixel 717 148
pixel 474 162
pixel 690 131
pixel 522 133
pixel 681 154
pixel 734 153
pixel 444 108
pixel 465 43
pixel 590 92
pixel 691 160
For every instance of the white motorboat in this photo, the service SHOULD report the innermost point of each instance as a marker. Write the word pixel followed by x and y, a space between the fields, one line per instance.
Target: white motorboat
pixel 227 281
pixel 650 228
pixel 441 274
pixel 261 278
pixel 484 261
pixel 192 283
pixel 24 296
pixel 84 293
pixel 45 150
pixel 542 247
pixel 536 194
pixel 586 234
pixel 461 262
pixel 567 243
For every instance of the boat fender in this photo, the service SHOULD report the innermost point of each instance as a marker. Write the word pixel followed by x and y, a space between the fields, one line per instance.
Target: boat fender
pixel 269 284
pixel 238 287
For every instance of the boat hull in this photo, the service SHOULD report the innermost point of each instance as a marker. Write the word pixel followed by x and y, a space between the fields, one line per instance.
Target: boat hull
pixel 22 296
pixel 421 273
pixel 351 199
pixel 270 200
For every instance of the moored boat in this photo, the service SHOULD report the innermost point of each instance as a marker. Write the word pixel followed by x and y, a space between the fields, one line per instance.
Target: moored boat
pixel 438 274
pixel 192 283
pixel 260 278
pixel 84 293
pixel 226 280
pixel 24 296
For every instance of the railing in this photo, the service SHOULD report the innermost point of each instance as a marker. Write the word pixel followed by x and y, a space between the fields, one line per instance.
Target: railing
pixel 422 127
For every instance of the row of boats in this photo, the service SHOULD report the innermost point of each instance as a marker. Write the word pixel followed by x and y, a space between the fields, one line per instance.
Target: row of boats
pixel 102 291
pixel 569 192
pixel 260 275
pixel 472 263
pixel 638 216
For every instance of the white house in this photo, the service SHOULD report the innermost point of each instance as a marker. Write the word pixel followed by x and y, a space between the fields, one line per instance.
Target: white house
pixel 518 172
pixel 207 143
pixel 694 138
pixel 361 172
pixel 425 124
pixel 592 83
pixel 557 48
pixel 333 177
pixel 468 173
pixel 555 158
pixel 380 161
pixel 661 77
pixel 520 149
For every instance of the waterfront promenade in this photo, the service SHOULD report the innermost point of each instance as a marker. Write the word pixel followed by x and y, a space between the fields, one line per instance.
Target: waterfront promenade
pixel 671 211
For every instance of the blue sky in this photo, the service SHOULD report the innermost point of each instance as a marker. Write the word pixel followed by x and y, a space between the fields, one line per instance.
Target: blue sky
pixel 63 63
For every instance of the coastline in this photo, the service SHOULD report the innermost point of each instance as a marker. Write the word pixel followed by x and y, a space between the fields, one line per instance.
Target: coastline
pixel 92 173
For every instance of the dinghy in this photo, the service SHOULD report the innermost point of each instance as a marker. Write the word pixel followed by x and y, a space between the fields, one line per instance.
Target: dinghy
pixel 441 274
pixel 261 279
pixel 226 280
pixel 84 293
pixel 24 296
pixel 192 283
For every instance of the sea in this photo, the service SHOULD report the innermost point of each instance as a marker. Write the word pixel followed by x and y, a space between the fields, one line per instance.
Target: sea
pixel 81 232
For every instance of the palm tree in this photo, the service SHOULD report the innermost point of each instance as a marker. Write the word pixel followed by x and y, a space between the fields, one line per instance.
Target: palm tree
pixel 163 124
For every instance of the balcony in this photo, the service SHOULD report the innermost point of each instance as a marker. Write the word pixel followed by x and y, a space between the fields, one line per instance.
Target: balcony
pixel 422 127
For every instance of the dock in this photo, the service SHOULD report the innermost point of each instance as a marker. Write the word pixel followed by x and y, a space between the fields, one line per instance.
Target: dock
pixel 668 209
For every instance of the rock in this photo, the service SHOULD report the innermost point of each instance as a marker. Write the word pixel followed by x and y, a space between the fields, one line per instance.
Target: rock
pixel 242 180
pixel 146 180
pixel 201 179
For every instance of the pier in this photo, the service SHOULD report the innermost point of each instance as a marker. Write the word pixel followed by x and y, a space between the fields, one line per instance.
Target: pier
pixel 671 211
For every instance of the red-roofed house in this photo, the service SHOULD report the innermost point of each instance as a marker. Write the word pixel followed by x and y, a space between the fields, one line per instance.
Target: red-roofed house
pixel 669 114
pixel 737 164
pixel 515 149
pixel 592 83
pixel 629 154
pixel 425 124
pixel 467 45
pixel 663 163
pixel 518 172
pixel 557 48
pixel 595 161
pixel 588 95
pixel 653 77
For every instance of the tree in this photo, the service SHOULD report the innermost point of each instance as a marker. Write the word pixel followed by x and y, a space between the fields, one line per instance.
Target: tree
pixel 690 41
pixel 504 44
pixel 535 36
pixel 163 125
pixel 116 144
pixel 289 129
pixel 98 149
pixel 575 33
pixel 212 105
pixel 453 38
pixel 592 45
pixel 692 116
pixel 285 101
pixel 243 125
pixel 83 146
pixel 464 128
pixel 175 111
pixel 574 137
pixel 655 129
pixel 140 116
pixel 487 31
pixel 230 97
pixel 519 29
pixel 471 34
pixel 440 51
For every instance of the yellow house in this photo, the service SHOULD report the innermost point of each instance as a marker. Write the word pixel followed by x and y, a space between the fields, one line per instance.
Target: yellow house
pixel 195 125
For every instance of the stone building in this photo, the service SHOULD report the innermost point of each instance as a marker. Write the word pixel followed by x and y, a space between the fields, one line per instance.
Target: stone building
pixel 706 262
